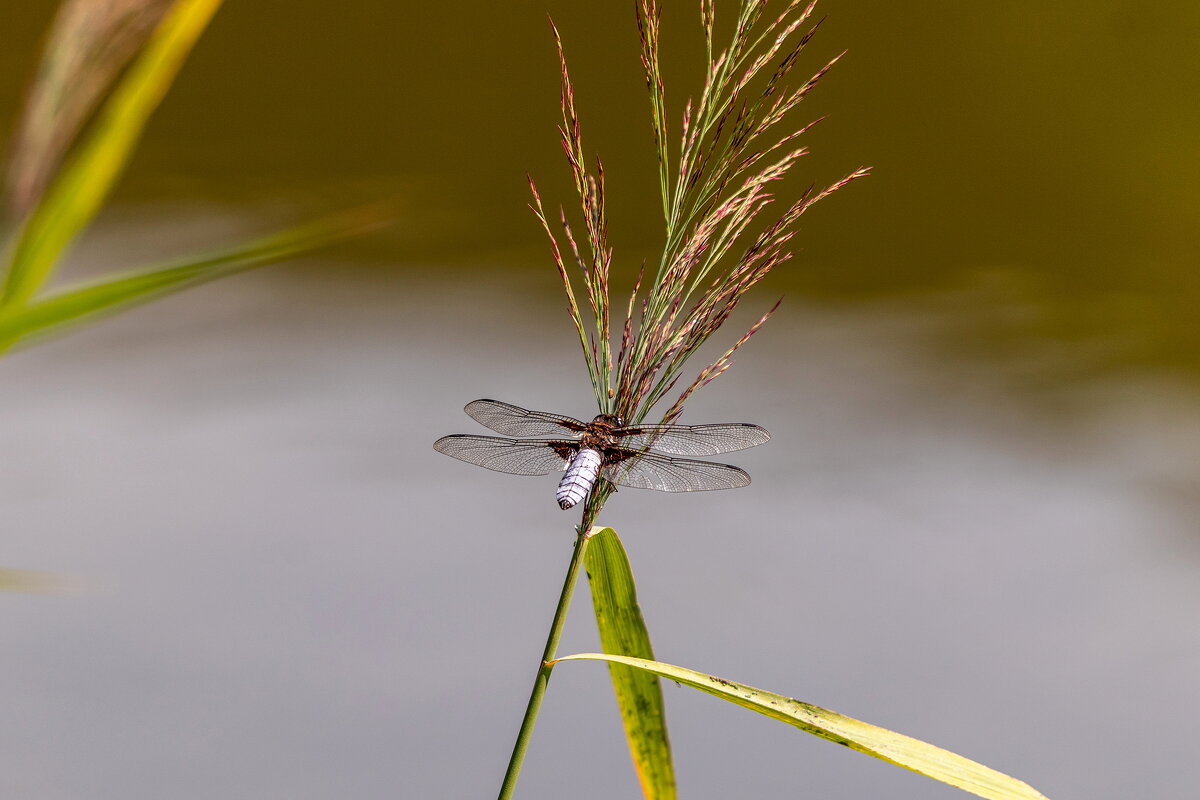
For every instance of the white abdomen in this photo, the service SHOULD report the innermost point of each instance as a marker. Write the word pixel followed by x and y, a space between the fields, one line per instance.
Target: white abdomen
pixel 580 476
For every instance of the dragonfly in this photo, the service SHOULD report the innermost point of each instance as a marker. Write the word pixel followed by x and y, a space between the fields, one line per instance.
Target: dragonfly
pixel 638 456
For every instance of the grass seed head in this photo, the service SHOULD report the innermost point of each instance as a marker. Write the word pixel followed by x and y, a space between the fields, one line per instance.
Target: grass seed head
pixel 734 142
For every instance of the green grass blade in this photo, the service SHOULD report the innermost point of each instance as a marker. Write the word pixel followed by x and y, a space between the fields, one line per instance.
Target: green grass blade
pixel 81 303
pixel 883 744
pixel 623 632
pixel 75 195
pixel 29 581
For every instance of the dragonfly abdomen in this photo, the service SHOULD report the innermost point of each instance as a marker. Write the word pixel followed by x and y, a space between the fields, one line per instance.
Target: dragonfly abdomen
pixel 580 476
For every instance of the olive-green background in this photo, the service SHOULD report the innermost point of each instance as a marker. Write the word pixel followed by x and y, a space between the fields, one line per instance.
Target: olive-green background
pixel 975 522
pixel 1040 154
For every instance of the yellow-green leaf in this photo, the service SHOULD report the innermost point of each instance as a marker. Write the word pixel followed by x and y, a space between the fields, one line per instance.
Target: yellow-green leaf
pixel 29 581
pixel 623 632
pixel 81 303
pixel 76 193
pixel 883 744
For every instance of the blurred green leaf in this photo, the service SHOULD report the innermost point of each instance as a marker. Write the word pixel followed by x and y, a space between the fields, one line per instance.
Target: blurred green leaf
pixel 883 744
pixel 623 632
pixel 76 193
pixel 29 581
pixel 84 302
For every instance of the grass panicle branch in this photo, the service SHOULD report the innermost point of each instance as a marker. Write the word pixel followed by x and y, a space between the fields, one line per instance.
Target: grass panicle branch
pixel 593 264
pixel 734 144
pixel 648 27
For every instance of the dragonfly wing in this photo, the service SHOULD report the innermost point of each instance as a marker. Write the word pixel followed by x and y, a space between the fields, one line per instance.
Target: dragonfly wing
pixel 666 474
pixel 515 456
pixel 513 420
pixel 693 440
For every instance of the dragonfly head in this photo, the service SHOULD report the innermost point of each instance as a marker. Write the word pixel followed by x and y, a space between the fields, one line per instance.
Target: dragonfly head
pixel 608 421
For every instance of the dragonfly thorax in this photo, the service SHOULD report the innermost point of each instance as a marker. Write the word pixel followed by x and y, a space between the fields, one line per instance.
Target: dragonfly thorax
pixel 578 479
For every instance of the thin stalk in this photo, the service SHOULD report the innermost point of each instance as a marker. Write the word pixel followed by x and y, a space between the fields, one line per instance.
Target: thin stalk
pixel 542 679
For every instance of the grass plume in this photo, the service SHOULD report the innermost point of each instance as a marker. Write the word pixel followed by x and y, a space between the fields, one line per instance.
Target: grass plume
pixel 90 43
pixel 716 179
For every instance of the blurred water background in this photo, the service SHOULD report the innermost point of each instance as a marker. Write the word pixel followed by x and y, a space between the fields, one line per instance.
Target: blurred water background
pixel 976 523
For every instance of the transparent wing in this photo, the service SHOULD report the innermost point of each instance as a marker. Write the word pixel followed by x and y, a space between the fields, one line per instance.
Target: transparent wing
pixel 693 440
pixel 513 420
pixel 518 457
pixel 652 471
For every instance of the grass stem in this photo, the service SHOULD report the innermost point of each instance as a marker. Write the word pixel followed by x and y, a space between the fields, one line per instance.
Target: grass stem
pixel 542 679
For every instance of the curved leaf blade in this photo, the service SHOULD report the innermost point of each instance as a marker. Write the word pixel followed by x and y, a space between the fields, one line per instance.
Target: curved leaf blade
pixel 76 193
pixel 82 303
pixel 623 632
pixel 895 748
